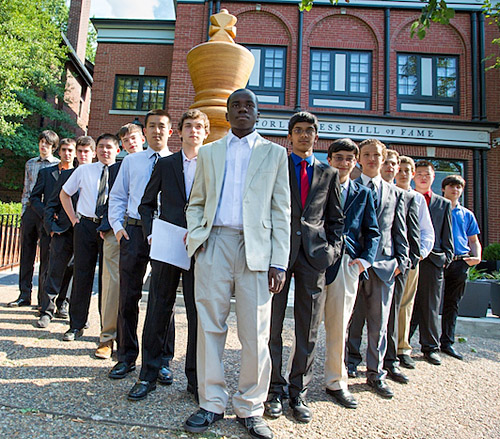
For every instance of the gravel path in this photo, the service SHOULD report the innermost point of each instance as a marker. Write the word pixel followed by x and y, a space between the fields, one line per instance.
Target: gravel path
pixel 55 389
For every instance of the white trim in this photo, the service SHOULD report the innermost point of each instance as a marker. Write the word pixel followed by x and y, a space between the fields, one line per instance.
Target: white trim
pixel 422 108
pixel 254 80
pixel 426 76
pixel 339 103
pixel 340 71
pixel 128 112
pixel 266 99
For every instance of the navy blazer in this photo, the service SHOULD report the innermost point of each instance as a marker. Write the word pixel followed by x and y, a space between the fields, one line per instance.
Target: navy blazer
pixel 361 233
pixel 55 218
pixel 443 251
pixel 45 183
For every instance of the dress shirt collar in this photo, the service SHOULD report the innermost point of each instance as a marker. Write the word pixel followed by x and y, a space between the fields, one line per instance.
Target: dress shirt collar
pixel 185 159
pixel 249 138
pixel 50 159
pixel 377 181
pixel 345 186
pixel 163 153
pixel 296 159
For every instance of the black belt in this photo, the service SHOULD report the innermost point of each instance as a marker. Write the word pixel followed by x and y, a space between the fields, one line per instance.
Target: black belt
pixel 133 222
pixel 460 257
pixel 94 220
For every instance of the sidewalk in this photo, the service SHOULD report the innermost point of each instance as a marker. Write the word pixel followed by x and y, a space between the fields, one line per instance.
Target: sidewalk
pixel 55 389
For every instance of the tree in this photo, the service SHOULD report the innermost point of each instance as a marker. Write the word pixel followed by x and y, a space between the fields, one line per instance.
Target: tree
pixel 31 64
pixel 433 11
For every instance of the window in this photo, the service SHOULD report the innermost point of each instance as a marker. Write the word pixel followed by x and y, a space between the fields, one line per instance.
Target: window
pixel 428 83
pixel 141 93
pixel 267 79
pixel 443 168
pixel 340 79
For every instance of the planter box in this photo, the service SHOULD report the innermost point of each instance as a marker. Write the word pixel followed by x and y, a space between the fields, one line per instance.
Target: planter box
pixel 489 266
pixel 476 299
pixel 495 298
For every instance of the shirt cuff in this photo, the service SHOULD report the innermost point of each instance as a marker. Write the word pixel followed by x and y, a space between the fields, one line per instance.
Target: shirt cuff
pixel 279 267
pixel 365 263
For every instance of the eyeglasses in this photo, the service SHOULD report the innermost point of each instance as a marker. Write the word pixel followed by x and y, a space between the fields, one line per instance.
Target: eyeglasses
pixel 308 132
pixel 341 158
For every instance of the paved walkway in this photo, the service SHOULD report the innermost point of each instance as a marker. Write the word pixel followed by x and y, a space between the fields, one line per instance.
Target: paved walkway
pixel 55 389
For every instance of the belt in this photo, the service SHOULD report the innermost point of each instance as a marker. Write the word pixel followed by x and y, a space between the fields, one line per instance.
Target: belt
pixel 133 222
pixel 94 220
pixel 460 257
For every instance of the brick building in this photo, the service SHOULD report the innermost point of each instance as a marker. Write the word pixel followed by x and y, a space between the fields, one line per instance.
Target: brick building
pixel 353 65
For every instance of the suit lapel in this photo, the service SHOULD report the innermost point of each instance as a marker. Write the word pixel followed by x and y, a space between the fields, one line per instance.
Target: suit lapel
pixel 384 195
pixel 294 184
pixel 179 174
pixel 259 153
pixel 316 178
pixel 55 173
pixel 352 191
pixel 219 163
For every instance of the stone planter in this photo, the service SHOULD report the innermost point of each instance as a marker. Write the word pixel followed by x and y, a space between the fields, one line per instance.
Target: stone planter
pixel 489 266
pixel 476 299
pixel 495 298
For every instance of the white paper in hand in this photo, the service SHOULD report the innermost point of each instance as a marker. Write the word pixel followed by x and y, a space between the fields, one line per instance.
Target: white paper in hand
pixel 167 244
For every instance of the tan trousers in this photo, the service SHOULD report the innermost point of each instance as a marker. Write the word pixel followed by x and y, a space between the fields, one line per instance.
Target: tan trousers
pixel 110 287
pixel 220 270
pixel 339 303
pixel 406 311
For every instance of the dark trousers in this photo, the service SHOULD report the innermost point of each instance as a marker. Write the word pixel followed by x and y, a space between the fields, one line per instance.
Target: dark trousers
pixel 426 308
pixel 134 257
pixel 31 231
pixel 87 246
pixel 161 301
pixel 455 277
pixel 59 273
pixel 308 307
pixel 391 355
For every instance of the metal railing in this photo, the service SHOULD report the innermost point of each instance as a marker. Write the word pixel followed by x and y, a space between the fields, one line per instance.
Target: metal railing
pixel 10 232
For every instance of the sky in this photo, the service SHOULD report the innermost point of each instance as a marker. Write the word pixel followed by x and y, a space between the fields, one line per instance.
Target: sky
pixel 160 9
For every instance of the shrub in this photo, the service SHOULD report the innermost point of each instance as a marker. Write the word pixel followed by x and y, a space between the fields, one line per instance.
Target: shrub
pixel 10 208
pixel 492 252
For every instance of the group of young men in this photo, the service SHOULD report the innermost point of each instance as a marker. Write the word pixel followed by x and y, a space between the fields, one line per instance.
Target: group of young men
pixel 359 250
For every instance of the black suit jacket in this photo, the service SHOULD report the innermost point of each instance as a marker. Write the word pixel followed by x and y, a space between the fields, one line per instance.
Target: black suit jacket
pixel 412 228
pixel 113 172
pixel 318 227
pixel 45 183
pixel 168 179
pixel 442 252
pixel 55 218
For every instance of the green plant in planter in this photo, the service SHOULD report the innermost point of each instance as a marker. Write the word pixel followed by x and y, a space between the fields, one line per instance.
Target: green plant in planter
pixel 475 274
pixel 492 252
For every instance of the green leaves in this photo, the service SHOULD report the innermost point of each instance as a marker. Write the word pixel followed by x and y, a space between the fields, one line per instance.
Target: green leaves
pixel 436 11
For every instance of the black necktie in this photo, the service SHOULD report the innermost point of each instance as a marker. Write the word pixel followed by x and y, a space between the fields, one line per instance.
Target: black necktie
pixel 372 187
pixel 156 158
pixel 101 194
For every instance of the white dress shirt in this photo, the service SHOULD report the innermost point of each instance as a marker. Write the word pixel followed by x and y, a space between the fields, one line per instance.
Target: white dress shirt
pixel 377 182
pixel 189 167
pixel 85 179
pixel 427 235
pixel 128 189
pixel 230 209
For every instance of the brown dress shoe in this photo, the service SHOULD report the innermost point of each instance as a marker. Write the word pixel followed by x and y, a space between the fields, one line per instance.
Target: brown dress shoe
pixel 104 350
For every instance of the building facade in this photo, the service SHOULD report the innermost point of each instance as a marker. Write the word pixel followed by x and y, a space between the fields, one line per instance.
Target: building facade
pixel 354 65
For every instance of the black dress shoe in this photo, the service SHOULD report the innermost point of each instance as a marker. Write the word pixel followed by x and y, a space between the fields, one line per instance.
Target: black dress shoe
pixel 381 388
pixel 301 412
pixel 120 370
pixel 273 407
pixel 165 375
pixel 395 374
pixel 141 390
pixel 450 350
pixel 352 371
pixel 72 334
pixel 199 421
pixel 19 302
pixel 256 427
pixel 433 358
pixel 343 397
pixel 406 361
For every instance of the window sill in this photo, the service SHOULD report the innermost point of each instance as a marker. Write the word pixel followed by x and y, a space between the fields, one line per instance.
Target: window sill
pixel 128 112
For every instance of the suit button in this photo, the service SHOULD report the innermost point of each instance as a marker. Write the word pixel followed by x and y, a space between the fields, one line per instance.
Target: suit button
pixel 302 218
pixel 299 233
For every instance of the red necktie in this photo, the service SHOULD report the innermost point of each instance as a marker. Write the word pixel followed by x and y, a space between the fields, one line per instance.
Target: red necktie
pixel 304 182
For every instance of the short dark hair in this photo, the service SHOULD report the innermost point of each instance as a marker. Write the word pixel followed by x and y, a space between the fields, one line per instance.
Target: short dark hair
pixel 108 136
pixel 408 160
pixel 129 128
pixel 85 141
pixel 67 141
pixel 376 142
pixel 343 145
pixel 424 164
pixel 302 116
pixel 157 112
pixel 50 137
pixel 194 114
pixel 453 180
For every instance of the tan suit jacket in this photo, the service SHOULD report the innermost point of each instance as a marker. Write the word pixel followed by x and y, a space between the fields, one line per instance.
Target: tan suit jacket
pixel 266 202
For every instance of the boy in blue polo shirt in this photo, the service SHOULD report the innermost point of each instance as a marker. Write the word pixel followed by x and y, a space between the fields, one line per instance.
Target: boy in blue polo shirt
pixel 467 253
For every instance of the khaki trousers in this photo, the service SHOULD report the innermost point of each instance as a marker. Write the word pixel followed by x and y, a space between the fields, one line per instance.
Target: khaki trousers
pixel 110 287
pixel 406 311
pixel 339 303
pixel 220 271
